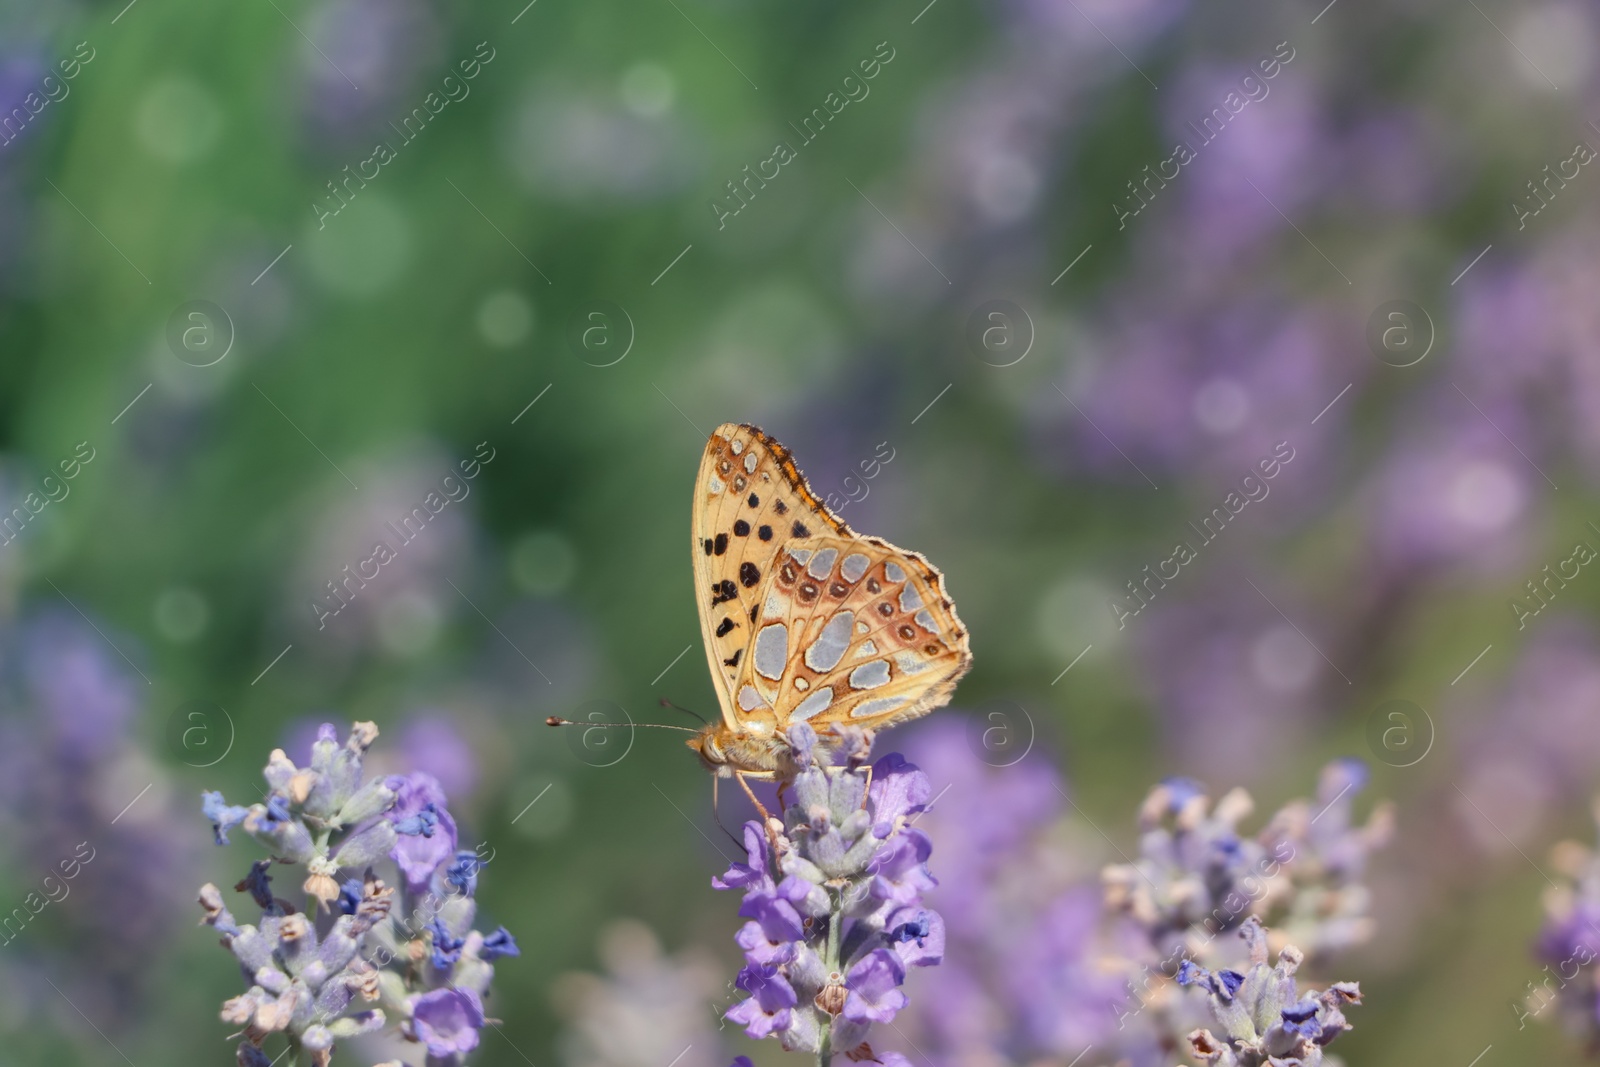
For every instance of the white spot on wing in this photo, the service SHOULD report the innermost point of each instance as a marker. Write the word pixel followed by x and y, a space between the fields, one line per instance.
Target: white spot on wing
pixel 925 620
pixel 893 572
pixel 801 684
pixel 854 566
pixel 877 707
pixel 867 649
pixel 737 446
pixel 772 651
pixel 828 649
pixel 749 699
pixel 870 675
pixel 822 563
pixel 800 554
pixel 814 703
pixel 715 486
pixel 773 607
pixel 750 463
pixel 910 599
pixel 862 628
pixel 909 663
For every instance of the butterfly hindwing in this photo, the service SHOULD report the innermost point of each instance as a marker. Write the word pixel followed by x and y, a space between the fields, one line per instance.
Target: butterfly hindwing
pixel 851 630
pixel 750 500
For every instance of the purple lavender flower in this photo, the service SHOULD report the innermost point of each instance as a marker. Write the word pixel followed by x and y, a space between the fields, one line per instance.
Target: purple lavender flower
pixel 827 946
pixel 447 1021
pixel 425 831
pixel 874 988
pixel 332 973
pixel 768 1009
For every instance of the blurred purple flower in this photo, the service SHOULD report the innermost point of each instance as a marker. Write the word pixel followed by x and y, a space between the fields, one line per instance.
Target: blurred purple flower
pixel 69 766
pixel 89 699
pixel 431 742
pixel 1536 750
pixel 1277 142
pixel 1452 491
pixel 1208 394
pixel 364 66
pixel 1232 681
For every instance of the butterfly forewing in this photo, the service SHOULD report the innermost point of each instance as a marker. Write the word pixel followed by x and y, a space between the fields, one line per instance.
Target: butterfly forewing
pixel 750 501
pixel 851 630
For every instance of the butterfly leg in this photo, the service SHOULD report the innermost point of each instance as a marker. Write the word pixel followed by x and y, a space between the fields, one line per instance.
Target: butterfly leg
pixel 742 777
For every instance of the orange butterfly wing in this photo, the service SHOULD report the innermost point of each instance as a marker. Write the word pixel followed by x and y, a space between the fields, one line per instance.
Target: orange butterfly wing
pixel 802 618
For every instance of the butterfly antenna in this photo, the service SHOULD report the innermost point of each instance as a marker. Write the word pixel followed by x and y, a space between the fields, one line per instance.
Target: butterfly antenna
pixel 556 720
pixel 669 704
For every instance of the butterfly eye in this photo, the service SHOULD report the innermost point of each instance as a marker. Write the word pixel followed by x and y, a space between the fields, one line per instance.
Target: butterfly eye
pixel 885 609
pixel 808 592
pixel 874 586
pixel 724 467
pixel 787 574
pixel 838 590
pixel 906 632
pixel 739 483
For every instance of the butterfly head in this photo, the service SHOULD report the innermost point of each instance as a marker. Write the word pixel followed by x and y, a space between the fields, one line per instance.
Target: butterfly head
pixel 705 745
pixel 724 751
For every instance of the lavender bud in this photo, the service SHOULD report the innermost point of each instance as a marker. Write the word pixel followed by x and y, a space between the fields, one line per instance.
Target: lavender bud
pixel 278 771
pixel 285 837
pixel 370 801
pixel 216 912
pixel 272 980
pixel 366 1022
pixel 368 845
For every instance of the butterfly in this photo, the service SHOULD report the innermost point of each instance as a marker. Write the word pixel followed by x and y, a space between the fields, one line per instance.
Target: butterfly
pixel 805 620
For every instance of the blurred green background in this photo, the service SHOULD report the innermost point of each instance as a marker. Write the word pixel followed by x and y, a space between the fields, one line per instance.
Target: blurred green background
pixel 843 309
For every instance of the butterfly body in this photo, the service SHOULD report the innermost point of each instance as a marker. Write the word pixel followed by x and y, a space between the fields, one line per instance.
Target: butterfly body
pixel 804 619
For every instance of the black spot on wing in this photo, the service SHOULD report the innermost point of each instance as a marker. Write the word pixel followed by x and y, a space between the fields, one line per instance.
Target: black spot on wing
pixel 722 592
pixel 733 660
pixel 782 508
pixel 724 626
pixel 765 533
pixel 741 528
pixel 721 544
pixel 801 529
pixel 754 501
pixel 749 574
pixel 707 544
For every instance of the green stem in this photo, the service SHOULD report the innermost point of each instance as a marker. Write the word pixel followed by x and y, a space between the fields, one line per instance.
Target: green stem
pixel 830 964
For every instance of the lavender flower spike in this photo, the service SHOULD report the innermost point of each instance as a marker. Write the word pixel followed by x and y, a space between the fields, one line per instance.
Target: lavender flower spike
pixel 834 902
pixel 1264 1018
pixel 362 965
